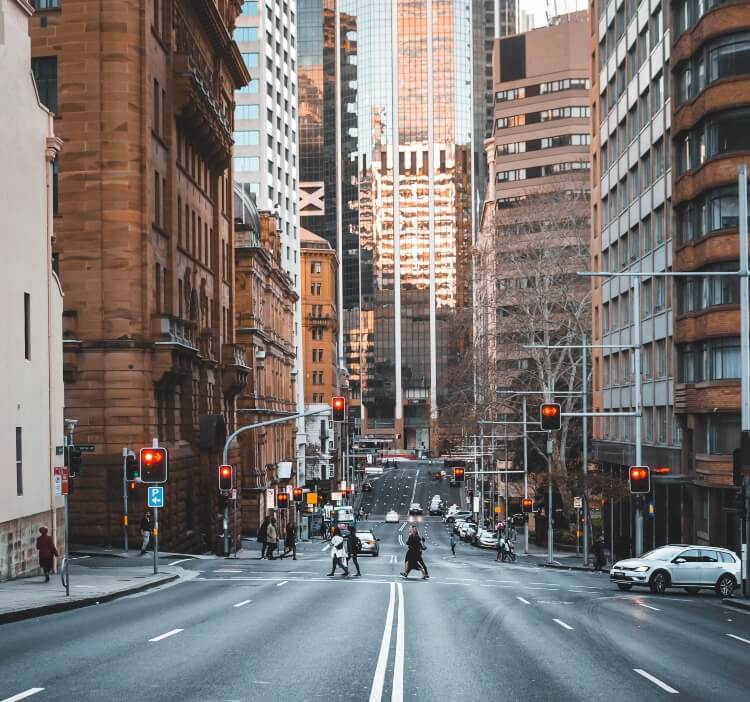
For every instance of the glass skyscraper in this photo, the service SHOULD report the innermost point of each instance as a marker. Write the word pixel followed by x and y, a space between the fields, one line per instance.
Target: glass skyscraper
pixel 385 176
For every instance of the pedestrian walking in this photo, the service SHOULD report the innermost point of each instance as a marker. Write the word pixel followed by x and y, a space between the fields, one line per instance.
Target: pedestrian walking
pixel 361 512
pixel 337 553
pixel 599 559
pixel 145 531
pixel 499 546
pixel 422 549
pixel 413 554
pixel 47 552
pixel 262 532
pixel 453 545
pixel 272 538
pixel 353 547
pixel 290 541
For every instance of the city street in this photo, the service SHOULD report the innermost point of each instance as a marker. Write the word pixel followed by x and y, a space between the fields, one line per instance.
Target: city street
pixel 258 630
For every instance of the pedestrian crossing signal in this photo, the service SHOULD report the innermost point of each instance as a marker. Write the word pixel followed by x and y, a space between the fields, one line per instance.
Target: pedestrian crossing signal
pixel 639 480
pixel 458 474
pixel 282 500
pixel 297 494
pixel 527 505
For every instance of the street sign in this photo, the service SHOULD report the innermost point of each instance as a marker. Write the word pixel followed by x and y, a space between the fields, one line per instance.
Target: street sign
pixel 156 496
pixel 61 481
pixel 577 503
pixel 270 498
pixel 86 448
pixel 312 498
pixel 233 496
pixel 337 496
pixel 476 505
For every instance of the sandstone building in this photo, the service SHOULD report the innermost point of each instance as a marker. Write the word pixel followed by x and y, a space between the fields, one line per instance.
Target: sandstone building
pixel 143 96
pixel 31 389
pixel 265 302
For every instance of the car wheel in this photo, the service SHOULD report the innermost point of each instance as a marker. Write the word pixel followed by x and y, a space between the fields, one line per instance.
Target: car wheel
pixel 692 590
pixel 376 554
pixel 659 582
pixel 725 586
pixel 624 586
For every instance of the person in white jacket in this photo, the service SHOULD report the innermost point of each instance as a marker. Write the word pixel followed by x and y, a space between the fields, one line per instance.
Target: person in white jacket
pixel 338 554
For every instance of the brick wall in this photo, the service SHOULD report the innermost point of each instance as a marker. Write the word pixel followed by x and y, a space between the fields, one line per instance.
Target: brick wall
pixel 18 554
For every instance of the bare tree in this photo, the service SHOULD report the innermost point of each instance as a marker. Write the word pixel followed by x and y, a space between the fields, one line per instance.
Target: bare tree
pixel 529 295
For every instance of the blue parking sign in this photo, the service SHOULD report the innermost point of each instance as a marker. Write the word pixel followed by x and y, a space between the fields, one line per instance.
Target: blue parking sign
pixel 156 496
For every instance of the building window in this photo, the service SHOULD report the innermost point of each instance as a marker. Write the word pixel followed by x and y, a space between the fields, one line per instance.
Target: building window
pixel 659 297
pixel 246 112
pixel 661 425
pixel 246 33
pixel 247 137
pixel 19 461
pixel 647 359
pixel 55 186
pixel 157 112
pixel 317 333
pixel 713 360
pixel 722 433
pixel 45 4
pixel 27 326
pixel 157 199
pixel 45 75
pixel 315 267
pixel 715 210
pixel 250 59
pixel 251 88
pixel 246 164
pixel 661 359
pixel 315 289
pixel 250 8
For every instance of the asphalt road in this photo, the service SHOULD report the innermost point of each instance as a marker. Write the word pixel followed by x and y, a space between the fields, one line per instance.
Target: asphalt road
pixel 476 630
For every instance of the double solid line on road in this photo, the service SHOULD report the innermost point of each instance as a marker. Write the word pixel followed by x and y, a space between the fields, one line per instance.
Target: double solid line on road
pixel 378 682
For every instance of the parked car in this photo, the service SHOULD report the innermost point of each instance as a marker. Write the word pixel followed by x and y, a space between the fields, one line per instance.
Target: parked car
pixel 486 539
pixel 391 517
pixel 415 508
pixel 460 514
pixel 370 544
pixel 688 567
pixel 466 530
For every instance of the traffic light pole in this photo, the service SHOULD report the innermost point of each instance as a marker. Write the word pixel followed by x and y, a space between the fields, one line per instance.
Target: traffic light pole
pixel 525 476
pixel 125 498
pixel 156 540
pixel 638 408
pixel 745 360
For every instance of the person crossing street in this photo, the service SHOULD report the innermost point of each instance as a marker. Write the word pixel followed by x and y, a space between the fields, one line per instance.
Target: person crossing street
pixel 337 553
pixel 353 547
pixel 453 544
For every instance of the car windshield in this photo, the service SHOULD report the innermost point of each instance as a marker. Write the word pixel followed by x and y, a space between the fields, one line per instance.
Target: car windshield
pixel 664 553
pixel 365 535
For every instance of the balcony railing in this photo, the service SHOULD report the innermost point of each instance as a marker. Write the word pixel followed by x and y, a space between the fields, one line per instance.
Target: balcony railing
pixel 172 330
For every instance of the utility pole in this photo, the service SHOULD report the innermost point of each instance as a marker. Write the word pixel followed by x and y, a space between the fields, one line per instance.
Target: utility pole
pixel 585 501
pixel 639 410
pixel 525 476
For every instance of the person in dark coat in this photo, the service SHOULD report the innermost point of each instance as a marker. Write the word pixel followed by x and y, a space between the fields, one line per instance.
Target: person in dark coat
pixel 262 533
pixel 145 531
pixel 290 541
pixel 353 547
pixel 413 554
pixel 47 552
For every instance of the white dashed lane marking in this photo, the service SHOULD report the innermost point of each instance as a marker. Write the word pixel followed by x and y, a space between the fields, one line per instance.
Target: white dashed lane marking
pixel 656 681
pixel 165 636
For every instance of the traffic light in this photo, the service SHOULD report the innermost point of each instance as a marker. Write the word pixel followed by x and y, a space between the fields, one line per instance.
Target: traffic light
pixel 297 494
pixel 282 500
pixel 527 505
pixel 338 407
pixel 550 416
pixel 639 478
pixel 153 465
pixel 132 469
pixel 458 474
pixel 226 478
pixel 74 461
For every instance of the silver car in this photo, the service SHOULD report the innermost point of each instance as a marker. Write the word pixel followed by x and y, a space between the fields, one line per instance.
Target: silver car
pixel 689 567
pixel 369 543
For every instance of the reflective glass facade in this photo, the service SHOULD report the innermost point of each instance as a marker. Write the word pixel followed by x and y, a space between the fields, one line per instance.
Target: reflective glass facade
pixel 405 190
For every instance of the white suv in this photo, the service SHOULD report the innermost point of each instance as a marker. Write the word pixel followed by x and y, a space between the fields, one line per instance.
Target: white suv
pixel 688 567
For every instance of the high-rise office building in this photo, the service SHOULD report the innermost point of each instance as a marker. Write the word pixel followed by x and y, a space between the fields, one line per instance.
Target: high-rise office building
pixel 385 171
pixel 265 138
pixel 631 232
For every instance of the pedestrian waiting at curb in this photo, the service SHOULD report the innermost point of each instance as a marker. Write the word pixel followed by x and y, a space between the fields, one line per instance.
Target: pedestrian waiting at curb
pixel 47 552
pixel 272 538
pixel 337 553
pixel 145 531
pixel 262 531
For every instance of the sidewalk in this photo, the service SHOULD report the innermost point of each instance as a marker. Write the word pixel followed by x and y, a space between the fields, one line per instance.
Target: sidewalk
pixel 81 550
pixel 26 598
pixel 561 559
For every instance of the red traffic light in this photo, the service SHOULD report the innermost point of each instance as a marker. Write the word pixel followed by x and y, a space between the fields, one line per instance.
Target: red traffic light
pixel 282 500
pixel 226 478
pixel 297 494
pixel 338 407
pixel 639 479
pixel 550 416
pixel 527 505
pixel 458 473
pixel 153 465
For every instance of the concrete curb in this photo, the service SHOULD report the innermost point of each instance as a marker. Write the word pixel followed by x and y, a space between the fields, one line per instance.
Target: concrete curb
pixel 559 566
pixel 737 604
pixel 21 614
pixel 119 554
